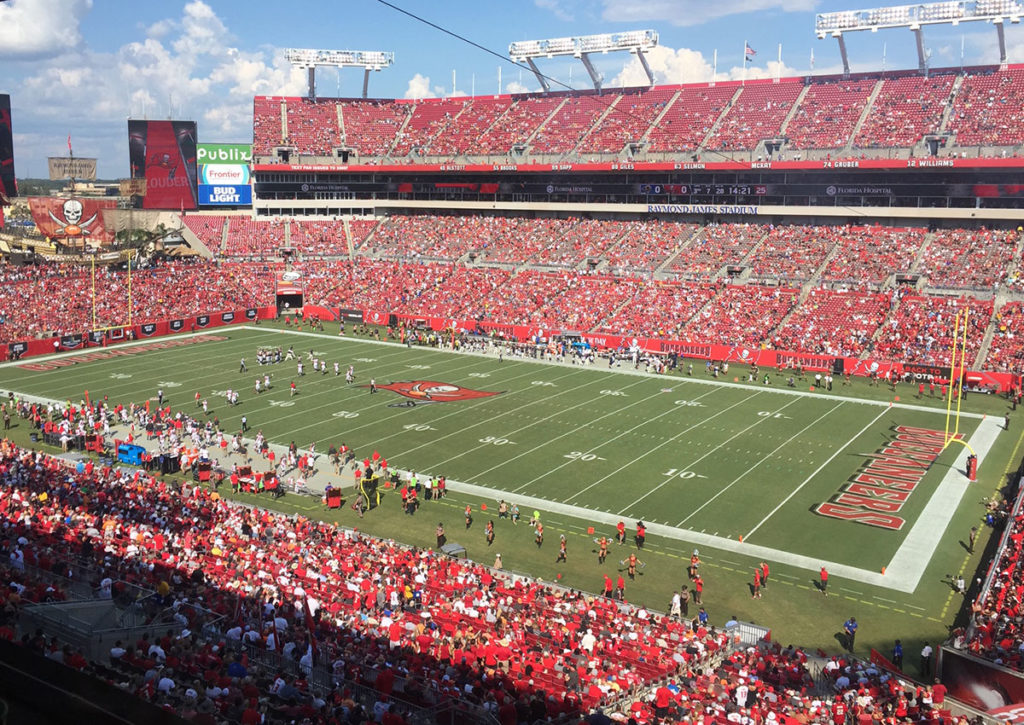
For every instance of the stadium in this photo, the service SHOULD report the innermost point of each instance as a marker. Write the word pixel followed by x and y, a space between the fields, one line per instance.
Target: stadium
pixel 664 404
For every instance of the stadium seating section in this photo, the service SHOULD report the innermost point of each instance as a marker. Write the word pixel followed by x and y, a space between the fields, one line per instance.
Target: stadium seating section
pixel 980 107
pixel 823 289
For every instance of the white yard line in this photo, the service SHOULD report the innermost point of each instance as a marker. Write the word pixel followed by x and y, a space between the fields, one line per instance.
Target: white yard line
pixel 731 438
pixel 817 470
pixel 765 458
pixel 594 448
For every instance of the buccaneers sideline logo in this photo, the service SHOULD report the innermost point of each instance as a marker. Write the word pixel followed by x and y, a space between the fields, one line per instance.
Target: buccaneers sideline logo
pixel 429 391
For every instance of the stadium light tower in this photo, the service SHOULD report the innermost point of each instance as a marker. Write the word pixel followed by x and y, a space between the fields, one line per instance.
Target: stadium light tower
pixel 368 60
pixel 634 41
pixel 915 17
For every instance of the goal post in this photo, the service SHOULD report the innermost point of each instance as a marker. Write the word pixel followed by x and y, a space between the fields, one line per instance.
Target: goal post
pixel 957 377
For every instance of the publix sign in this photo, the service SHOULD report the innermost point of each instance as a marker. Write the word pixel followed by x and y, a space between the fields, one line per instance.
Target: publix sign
pixel 224 177
pixel 223 153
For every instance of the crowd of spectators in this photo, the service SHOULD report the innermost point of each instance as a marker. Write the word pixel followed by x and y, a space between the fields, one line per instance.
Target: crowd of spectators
pixel 716 246
pixel 792 252
pixel 690 118
pixel 741 315
pixel 869 254
pixel 583 239
pixel 757 114
pixel 407 622
pixel 248 237
pixel 324 237
pixel 429 118
pixel 985 112
pixel 970 258
pixel 628 120
pixel 41 307
pixel 1006 350
pixel 435 237
pixel 561 133
pixel 659 309
pixel 517 125
pixel 989 109
pixel 370 127
pixel 267 130
pixel 905 110
pixel 312 126
pixel 921 329
pixel 208 227
pixel 459 136
pixel 828 113
pixel 832 322
pixel 646 245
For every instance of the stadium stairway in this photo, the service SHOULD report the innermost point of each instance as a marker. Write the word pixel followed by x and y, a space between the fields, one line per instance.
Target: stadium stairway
pixel 284 120
pixel 645 137
pixel 574 153
pixel 794 109
pixel 1001 298
pixel 196 243
pixel 662 273
pixel 718 122
pixel 341 125
pixel 542 124
pixel 755 248
pixel 947 112
pixel 398 134
pixel 847 150
pixel 348 238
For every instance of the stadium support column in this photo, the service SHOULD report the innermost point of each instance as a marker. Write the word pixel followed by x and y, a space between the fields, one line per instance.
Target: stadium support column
pixel 594 75
pixel 922 59
pixel 540 76
pixel 311 74
pixel 998 22
pixel 366 80
pixel 647 69
pixel 842 52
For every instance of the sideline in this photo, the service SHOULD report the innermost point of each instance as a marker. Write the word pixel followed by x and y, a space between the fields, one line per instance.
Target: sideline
pixel 640 373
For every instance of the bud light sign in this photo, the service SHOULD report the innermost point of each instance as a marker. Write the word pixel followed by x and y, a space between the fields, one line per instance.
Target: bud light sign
pixel 216 195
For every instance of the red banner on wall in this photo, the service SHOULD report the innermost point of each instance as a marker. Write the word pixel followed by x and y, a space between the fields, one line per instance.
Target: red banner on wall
pixel 72 220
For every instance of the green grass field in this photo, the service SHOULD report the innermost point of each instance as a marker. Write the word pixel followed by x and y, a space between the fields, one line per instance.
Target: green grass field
pixel 704 462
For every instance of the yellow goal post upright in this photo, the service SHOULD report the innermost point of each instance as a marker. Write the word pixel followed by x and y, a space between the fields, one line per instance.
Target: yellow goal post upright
pixel 957 376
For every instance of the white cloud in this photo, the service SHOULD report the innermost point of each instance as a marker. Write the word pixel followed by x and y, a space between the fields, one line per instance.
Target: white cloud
pixel 419 87
pixel 186 68
pixel 684 65
pixel 669 66
pixel 516 87
pixel 33 29
pixel 694 12
pixel 557 8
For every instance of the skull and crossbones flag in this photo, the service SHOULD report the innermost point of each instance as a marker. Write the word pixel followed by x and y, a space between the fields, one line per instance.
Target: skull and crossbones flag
pixel 71 218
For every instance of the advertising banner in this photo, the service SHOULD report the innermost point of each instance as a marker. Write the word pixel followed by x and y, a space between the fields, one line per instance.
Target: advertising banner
pixel 223 153
pixel 68 168
pixel 164 154
pixel 8 186
pixel 350 315
pixel 70 342
pixel 71 219
pixel 251 313
pixel 210 195
pixel 224 178
pixel 132 187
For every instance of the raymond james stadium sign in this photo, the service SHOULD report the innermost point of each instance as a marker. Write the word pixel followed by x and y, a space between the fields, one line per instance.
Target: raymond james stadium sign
pixel 699 209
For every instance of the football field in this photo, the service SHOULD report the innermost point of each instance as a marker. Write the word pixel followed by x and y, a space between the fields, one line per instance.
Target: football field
pixel 797 476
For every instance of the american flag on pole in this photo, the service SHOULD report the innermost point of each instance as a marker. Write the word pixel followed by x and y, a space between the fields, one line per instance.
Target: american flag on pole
pixel 748 52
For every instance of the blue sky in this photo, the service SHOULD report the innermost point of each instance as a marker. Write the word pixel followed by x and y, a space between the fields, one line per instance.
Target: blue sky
pixel 81 67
